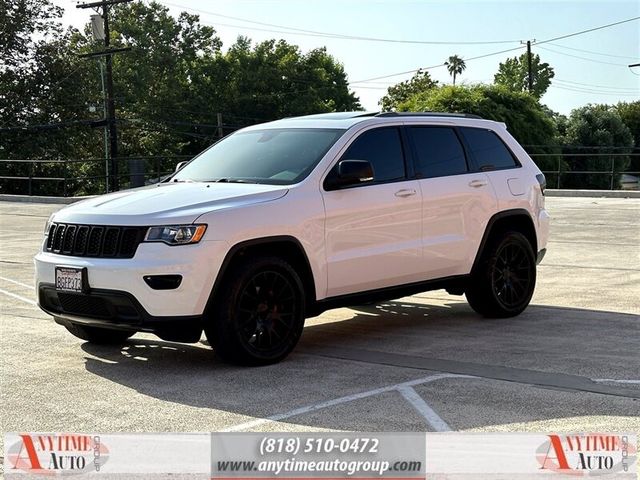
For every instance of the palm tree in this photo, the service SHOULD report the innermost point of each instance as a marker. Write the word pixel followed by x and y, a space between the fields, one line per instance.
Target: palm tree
pixel 456 66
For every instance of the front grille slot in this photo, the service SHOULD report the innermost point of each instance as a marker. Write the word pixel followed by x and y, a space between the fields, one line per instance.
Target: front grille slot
pixel 69 237
pixel 110 246
pixel 94 241
pixel 81 240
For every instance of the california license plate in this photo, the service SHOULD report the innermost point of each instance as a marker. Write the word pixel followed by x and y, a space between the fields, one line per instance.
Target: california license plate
pixel 70 279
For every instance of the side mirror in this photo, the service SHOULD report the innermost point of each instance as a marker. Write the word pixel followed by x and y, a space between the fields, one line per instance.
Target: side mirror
pixel 181 164
pixel 349 172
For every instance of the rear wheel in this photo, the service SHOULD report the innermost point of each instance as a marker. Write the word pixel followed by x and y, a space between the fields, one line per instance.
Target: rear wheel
pixel 258 313
pixel 503 282
pixel 98 335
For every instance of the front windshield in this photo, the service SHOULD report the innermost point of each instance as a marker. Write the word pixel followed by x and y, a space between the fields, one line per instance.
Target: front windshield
pixel 276 156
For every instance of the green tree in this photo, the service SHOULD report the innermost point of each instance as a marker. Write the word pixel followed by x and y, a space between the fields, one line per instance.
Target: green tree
pixel 514 74
pixel 630 114
pixel 455 65
pixel 44 95
pixel 168 88
pixel 597 126
pixel 400 92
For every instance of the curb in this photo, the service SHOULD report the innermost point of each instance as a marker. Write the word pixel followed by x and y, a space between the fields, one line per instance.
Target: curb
pixel 41 199
pixel 551 192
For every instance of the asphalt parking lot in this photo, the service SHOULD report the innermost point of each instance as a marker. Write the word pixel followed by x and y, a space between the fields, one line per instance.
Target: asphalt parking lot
pixel 571 362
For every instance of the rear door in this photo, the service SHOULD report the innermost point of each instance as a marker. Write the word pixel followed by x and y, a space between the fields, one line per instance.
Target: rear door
pixel 456 201
pixel 491 155
pixel 373 229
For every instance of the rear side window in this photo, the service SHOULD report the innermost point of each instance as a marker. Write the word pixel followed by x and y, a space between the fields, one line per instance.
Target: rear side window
pixel 439 152
pixel 488 150
pixel 382 147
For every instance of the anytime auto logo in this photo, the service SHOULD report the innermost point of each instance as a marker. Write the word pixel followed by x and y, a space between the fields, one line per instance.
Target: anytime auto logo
pixel 587 455
pixel 56 454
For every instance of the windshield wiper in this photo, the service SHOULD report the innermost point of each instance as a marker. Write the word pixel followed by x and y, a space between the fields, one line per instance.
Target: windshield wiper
pixel 232 180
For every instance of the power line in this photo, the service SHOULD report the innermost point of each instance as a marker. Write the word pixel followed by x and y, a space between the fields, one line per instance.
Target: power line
pixel 581 58
pixel 440 65
pixel 570 82
pixel 594 53
pixel 599 92
pixel 582 32
pixel 301 31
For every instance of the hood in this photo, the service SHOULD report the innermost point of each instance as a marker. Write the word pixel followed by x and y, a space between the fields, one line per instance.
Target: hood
pixel 167 203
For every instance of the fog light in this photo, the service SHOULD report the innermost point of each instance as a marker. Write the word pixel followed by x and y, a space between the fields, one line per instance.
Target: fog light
pixel 163 282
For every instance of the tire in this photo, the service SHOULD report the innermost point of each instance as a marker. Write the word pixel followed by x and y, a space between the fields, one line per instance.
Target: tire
pixel 257 315
pixel 503 282
pixel 97 335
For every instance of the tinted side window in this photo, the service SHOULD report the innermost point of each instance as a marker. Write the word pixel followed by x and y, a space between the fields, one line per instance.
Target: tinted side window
pixel 439 152
pixel 382 147
pixel 487 149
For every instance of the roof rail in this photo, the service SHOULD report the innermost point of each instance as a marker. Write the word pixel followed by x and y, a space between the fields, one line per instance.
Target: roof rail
pixel 428 114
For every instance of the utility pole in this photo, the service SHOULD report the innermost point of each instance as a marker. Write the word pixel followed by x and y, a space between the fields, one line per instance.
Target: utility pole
pixel 109 100
pixel 530 73
pixel 220 131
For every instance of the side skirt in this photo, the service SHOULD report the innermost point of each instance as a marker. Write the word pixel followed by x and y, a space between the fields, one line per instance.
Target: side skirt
pixel 454 284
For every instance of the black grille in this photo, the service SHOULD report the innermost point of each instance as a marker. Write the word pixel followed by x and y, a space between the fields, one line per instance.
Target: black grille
pixel 94 240
pixel 84 305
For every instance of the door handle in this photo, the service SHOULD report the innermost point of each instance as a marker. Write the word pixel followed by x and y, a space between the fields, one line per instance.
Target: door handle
pixel 477 183
pixel 405 192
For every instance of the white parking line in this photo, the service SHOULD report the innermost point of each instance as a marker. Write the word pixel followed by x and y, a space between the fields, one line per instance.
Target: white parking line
pixel 19 297
pixel 423 408
pixel 341 400
pixel 17 283
pixel 613 380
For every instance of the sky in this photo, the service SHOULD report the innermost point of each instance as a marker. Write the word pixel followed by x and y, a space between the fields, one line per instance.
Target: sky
pixel 589 68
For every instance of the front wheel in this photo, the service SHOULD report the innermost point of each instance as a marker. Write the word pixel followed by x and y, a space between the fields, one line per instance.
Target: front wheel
pixel 98 335
pixel 503 282
pixel 258 313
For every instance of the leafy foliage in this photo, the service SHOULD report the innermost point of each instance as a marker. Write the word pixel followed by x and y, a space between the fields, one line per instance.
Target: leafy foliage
pixel 400 92
pixel 514 74
pixel 630 114
pixel 598 126
pixel 168 89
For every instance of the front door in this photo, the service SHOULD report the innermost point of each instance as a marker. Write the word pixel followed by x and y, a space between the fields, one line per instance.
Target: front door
pixel 373 230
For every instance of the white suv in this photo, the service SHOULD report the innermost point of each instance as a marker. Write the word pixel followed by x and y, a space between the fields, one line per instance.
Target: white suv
pixel 281 221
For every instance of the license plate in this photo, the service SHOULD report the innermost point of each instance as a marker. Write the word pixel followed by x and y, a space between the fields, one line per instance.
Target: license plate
pixel 69 279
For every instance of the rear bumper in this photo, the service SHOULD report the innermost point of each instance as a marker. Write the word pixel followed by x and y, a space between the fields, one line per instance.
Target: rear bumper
pixel 115 310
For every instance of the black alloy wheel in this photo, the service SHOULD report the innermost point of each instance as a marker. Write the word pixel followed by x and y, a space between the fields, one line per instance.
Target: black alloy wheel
pixel 267 310
pixel 502 283
pixel 258 312
pixel 511 275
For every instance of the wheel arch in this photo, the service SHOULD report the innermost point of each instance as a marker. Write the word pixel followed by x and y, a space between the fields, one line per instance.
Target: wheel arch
pixel 517 219
pixel 286 247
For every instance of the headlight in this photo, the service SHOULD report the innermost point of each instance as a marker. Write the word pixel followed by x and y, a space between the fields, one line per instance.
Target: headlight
pixel 175 234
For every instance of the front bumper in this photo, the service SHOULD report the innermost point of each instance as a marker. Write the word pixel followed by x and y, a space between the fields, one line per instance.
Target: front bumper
pixel 197 264
pixel 115 310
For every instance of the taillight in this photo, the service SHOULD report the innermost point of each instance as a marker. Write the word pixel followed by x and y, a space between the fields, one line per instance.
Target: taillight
pixel 542 181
